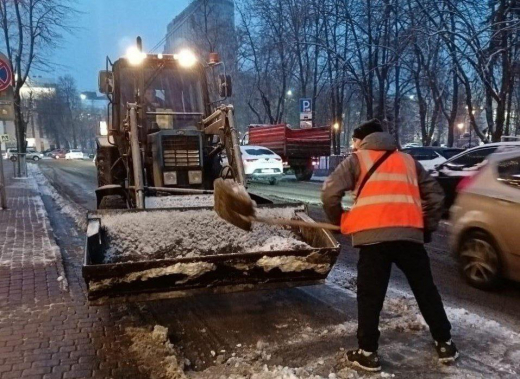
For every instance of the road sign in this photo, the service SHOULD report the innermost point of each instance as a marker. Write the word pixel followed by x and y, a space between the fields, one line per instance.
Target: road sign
pixel 6 74
pixel 305 113
pixel 6 90
pixel 4 138
pixel 305 105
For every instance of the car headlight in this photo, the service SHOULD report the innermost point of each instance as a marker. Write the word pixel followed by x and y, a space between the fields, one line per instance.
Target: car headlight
pixel 195 177
pixel 170 178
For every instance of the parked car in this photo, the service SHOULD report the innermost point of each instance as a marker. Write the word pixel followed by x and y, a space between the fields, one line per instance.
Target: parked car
pixel 74 154
pixel 30 154
pixel 429 157
pixel 465 164
pixel 58 154
pixel 411 144
pixel 484 219
pixel 262 163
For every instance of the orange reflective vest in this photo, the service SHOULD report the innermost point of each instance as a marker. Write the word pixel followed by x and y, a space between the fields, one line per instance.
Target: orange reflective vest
pixel 390 198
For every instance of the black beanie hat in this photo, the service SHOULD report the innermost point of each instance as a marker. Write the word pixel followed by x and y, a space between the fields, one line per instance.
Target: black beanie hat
pixel 367 128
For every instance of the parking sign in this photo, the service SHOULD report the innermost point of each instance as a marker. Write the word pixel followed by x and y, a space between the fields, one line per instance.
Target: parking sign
pixel 305 105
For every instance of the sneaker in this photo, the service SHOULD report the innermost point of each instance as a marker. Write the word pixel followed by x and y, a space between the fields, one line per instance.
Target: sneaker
pixel 364 360
pixel 447 351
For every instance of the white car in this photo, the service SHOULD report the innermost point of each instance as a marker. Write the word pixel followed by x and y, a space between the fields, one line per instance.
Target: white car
pixel 465 164
pixel 74 154
pixel 261 163
pixel 430 157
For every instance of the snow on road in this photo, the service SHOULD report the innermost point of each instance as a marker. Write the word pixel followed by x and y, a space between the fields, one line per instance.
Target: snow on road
pixel 68 207
pixel 488 348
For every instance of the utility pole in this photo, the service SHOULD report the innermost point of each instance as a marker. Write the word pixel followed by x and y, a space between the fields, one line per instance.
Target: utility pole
pixel 3 196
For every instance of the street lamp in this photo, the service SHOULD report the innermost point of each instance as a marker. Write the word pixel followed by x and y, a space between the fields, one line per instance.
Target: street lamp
pixel 83 96
pixel 289 93
pixel 460 126
pixel 336 126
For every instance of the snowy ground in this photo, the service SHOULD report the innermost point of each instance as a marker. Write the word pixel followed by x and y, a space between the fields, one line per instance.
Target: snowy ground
pixel 488 348
pixel 68 207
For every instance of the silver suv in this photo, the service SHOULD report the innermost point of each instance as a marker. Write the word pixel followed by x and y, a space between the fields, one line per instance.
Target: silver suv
pixel 31 154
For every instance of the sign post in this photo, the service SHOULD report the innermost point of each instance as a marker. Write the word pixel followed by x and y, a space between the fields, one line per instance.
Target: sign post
pixel 305 113
pixel 3 197
pixel 6 114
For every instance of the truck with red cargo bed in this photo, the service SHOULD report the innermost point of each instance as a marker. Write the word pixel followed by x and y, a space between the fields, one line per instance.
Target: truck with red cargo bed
pixel 297 147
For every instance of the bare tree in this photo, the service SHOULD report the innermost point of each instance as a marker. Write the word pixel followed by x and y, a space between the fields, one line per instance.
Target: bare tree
pixel 30 28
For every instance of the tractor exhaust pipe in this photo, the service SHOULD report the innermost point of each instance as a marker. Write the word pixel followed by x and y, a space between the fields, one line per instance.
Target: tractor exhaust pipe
pixel 136 157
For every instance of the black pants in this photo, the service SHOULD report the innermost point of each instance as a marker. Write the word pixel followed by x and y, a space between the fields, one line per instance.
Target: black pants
pixel 374 267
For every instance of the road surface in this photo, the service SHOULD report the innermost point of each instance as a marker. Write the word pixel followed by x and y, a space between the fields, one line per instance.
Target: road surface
pixel 213 321
pixel 77 179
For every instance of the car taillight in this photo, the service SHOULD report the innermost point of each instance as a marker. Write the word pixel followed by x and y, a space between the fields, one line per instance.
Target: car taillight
pixel 278 159
pixel 251 160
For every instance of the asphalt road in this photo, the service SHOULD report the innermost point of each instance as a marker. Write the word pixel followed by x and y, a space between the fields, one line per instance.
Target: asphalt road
pixel 77 180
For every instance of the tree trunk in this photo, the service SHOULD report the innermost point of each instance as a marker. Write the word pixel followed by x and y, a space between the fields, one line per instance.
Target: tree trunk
pixel 20 132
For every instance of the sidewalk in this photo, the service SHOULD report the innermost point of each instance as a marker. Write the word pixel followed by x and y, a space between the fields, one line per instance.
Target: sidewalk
pixel 47 330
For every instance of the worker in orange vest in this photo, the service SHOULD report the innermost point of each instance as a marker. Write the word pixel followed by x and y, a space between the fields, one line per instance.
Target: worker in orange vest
pixel 397 206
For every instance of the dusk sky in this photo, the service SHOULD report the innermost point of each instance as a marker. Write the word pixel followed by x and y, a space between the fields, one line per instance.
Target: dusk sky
pixel 108 27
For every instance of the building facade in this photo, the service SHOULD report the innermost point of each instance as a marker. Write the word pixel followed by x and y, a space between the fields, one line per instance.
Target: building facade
pixel 205 26
pixel 33 88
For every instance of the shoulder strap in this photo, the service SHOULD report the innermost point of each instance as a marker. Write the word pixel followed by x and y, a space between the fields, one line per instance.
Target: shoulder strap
pixel 374 167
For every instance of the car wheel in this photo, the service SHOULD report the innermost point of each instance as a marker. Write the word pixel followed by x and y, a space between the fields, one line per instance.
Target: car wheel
pixel 479 260
pixel 36 159
pixel 273 181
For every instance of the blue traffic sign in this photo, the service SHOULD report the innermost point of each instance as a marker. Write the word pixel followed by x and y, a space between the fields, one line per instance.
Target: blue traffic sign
pixel 305 105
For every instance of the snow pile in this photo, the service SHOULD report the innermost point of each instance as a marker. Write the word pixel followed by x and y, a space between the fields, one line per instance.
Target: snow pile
pixel 402 314
pixel 156 355
pixel 177 201
pixel 169 234
pixel 249 367
pixel 190 270
pixel 292 263
pixel 76 212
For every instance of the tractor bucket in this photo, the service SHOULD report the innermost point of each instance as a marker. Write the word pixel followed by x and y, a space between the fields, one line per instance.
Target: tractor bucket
pixel 113 271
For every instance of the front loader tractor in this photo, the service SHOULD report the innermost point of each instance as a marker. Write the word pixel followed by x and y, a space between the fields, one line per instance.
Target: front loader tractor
pixel 166 139
pixel 165 134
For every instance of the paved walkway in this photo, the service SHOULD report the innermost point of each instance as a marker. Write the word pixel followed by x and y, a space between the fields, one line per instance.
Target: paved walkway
pixel 47 330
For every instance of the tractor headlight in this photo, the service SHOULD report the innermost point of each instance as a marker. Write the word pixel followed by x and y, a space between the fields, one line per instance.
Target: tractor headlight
pixel 195 177
pixel 135 56
pixel 170 178
pixel 186 58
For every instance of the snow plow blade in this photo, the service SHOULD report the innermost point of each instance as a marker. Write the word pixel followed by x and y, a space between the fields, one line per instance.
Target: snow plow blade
pixel 174 274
